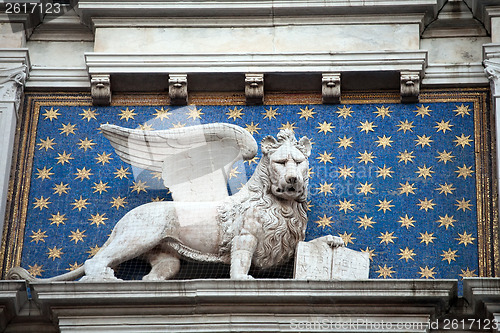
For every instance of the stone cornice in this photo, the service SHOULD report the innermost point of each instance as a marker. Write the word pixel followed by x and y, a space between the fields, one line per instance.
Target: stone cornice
pixel 14 57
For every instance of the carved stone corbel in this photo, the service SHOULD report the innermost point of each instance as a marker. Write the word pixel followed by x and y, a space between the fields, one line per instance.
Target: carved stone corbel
pixel 410 87
pixel 254 89
pixel 100 89
pixel 330 88
pixel 492 70
pixel 12 84
pixel 178 89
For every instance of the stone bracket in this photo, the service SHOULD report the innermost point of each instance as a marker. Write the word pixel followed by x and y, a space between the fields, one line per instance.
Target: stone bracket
pixel 178 89
pixel 100 89
pixel 410 87
pixel 330 88
pixel 254 89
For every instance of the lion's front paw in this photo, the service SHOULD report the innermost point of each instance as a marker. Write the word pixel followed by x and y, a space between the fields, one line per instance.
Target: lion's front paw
pixel 334 241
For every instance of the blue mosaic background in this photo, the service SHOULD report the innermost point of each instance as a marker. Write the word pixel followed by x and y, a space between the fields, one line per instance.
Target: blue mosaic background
pixel 397 181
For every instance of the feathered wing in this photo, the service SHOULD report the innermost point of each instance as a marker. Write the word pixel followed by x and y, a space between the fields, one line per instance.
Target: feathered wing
pixel 194 161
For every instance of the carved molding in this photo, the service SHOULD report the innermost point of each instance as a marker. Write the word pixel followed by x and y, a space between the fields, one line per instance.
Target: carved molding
pixel 410 87
pixel 178 89
pixel 100 89
pixel 12 84
pixel 330 88
pixel 254 89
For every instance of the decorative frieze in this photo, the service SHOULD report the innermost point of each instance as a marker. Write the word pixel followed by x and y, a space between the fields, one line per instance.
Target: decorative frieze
pixel 100 89
pixel 178 89
pixel 410 87
pixel 330 88
pixel 254 89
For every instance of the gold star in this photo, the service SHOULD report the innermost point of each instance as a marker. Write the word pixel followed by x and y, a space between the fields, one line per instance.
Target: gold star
pixel 384 141
pixel 405 126
pixel 253 128
pixel 98 219
pixel 406 254
pixel 83 173
pixel 344 112
pixel 157 199
pixel 35 270
pixel 162 114
pixel 146 127
pixel 127 114
pixel 42 203
pixel 234 172
pixel 271 113
pixel 446 221
pixel 384 172
pixel 366 157
pixel 118 202
pixel 234 113
pixel 325 127
pixel 345 206
pixel 427 272
pixel 310 172
pixel 67 129
pixel 250 161
pixel 306 113
pixel 426 238
pixel 423 141
pixel 446 189
pixel 445 156
pixel 407 188
pixel 467 273
pixel 347 238
pixel 139 186
pixel 325 188
pixel 366 127
pixel 424 172
pixel 288 126
pixel 51 114
pixel 406 221
pixel 74 266
pixel 382 111
pixel 462 110
pixel 443 126
pixel 38 236
pixel 463 204
pixel 93 251
pixel 464 171
pixel 46 144
pixel 57 219
pixel 365 222
pixel 61 188
pixel 63 158
pixel 54 253
pixel 121 173
pixel 426 204
pixel 385 271
pixel 324 221
pixel 465 238
pixel 44 173
pixel 365 188
pixel 371 253
pixel 325 157
pixel 384 205
pixel 80 204
pixel 345 172
pixel 88 114
pixel 156 175
pixel 423 111
pixel 194 113
pixel 449 255
pixel 100 187
pixel 463 140
pixel 309 205
pixel 345 142
pixel 406 156
pixel 387 237
pixel 77 235
pixel 103 158
pixel 85 144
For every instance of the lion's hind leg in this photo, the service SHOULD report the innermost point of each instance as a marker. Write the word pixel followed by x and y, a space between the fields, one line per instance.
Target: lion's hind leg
pixel 164 265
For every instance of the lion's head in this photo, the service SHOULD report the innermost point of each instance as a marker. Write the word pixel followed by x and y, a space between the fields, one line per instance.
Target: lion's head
pixel 288 165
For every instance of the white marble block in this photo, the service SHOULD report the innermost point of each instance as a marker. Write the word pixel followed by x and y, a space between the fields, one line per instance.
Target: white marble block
pixel 319 261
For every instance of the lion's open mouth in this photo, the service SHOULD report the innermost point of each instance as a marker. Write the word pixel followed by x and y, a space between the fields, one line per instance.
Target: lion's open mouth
pixel 289 191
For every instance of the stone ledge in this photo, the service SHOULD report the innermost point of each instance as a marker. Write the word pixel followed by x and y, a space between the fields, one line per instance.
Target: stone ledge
pixel 42 78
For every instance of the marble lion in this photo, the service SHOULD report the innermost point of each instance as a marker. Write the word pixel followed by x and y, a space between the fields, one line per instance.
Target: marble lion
pixel 261 224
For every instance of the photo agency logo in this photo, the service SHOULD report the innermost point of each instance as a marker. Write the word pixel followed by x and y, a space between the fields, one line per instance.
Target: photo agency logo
pixel 27 14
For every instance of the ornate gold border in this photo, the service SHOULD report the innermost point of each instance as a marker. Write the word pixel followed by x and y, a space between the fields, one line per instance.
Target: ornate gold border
pixel 487 191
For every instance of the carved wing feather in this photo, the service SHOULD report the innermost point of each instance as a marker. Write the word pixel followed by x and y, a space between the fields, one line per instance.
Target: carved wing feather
pixel 194 161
